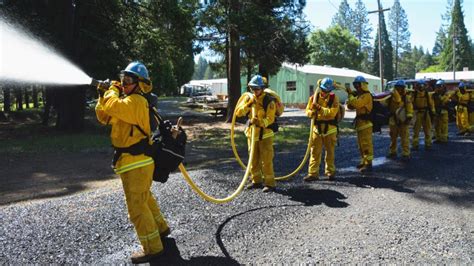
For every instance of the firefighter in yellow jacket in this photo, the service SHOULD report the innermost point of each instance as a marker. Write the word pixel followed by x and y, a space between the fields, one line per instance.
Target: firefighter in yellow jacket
pixel 424 109
pixel 261 113
pixel 462 113
pixel 323 107
pixel 441 100
pixel 122 107
pixel 362 103
pixel 401 113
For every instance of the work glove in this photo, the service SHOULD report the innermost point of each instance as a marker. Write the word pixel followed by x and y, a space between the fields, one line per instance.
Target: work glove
pixel 318 106
pixel 116 87
pixel 255 121
pixel 250 102
pixel 102 87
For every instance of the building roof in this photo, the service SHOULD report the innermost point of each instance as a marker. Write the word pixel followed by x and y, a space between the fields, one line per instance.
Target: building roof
pixel 465 75
pixel 207 81
pixel 330 71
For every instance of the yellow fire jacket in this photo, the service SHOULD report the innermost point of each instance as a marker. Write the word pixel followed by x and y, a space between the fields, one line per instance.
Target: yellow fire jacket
pixel 325 115
pixel 397 101
pixel 463 99
pixel 123 114
pixel 422 101
pixel 363 106
pixel 441 102
pixel 264 117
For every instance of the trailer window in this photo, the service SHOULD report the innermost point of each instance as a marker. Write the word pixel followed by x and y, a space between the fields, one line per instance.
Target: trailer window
pixel 291 85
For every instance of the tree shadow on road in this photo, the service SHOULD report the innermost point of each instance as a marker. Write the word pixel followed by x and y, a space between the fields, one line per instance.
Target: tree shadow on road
pixel 375 182
pixel 311 197
pixel 172 256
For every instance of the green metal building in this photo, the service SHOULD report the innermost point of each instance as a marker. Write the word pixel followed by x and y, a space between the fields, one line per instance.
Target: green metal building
pixel 295 84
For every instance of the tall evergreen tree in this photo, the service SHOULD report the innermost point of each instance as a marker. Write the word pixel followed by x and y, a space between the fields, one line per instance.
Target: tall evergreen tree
pixel 443 29
pixel 200 68
pixel 387 52
pixel 344 17
pixel 361 26
pixel 457 32
pixel 399 33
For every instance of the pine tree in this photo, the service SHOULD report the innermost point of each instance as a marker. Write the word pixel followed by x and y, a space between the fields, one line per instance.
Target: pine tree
pixel 387 52
pixel 361 26
pixel 457 31
pixel 443 30
pixel 399 33
pixel 344 17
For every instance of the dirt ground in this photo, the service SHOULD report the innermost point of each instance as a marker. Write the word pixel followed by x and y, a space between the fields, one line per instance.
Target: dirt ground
pixel 27 176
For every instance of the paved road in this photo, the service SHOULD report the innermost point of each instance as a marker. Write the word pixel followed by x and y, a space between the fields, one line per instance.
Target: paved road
pixel 419 212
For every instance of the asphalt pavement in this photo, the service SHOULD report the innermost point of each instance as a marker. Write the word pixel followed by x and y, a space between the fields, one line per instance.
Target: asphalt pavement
pixel 420 212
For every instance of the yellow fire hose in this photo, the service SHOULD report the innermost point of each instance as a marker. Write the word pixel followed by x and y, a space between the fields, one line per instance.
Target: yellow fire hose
pixel 233 195
pixel 236 154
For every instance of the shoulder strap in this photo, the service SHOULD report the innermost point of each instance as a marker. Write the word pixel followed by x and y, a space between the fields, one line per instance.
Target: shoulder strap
pixel 332 96
pixel 267 99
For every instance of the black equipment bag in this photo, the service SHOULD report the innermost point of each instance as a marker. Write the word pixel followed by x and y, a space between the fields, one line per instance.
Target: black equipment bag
pixel 167 152
pixel 379 116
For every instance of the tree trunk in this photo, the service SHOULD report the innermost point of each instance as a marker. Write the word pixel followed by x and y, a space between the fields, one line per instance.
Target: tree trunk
pixel 19 99
pixel 70 101
pixel 35 97
pixel 233 51
pixel 27 100
pixel 6 101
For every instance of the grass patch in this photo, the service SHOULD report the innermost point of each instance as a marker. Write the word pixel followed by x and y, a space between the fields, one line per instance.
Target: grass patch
pixel 56 143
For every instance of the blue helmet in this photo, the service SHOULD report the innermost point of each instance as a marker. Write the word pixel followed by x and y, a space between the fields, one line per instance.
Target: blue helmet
pixel 421 81
pixel 400 83
pixel 138 69
pixel 359 79
pixel 327 84
pixel 461 85
pixel 256 81
pixel 440 82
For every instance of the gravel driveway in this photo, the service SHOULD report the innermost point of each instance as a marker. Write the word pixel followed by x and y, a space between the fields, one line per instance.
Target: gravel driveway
pixel 418 212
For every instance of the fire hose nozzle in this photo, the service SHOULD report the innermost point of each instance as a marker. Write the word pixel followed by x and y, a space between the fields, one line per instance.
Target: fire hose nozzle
pixel 101 85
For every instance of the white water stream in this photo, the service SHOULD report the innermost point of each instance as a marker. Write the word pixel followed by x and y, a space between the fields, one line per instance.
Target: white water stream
pixel 24 59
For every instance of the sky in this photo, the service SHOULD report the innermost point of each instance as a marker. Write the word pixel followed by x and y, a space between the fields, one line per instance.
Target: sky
pixel 424 16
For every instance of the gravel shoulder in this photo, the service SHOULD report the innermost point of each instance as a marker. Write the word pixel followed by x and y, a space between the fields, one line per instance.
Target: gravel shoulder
pixel 421 212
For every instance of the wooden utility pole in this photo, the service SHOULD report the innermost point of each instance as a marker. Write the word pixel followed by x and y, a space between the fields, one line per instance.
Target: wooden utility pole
pixel 380 12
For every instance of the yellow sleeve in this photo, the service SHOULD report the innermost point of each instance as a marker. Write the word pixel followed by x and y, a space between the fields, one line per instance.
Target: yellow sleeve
pixel 102 117
pixel 409 106
pixel 242 109
pixel 269 115
pixel 365 100
pixel 396 98
pixel 431 102
pixel 310 108
pixel 328 113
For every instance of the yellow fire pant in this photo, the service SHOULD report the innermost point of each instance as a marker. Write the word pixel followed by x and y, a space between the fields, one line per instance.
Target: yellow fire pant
pixel 366 149
pixel 329 143
pixel 402 131
pixel 263 162
pixel 441 127
pixel 462 119
pixel 422 119
pixel 143 210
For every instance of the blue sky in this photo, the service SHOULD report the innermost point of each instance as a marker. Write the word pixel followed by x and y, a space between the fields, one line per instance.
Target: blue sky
pixel 424 16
